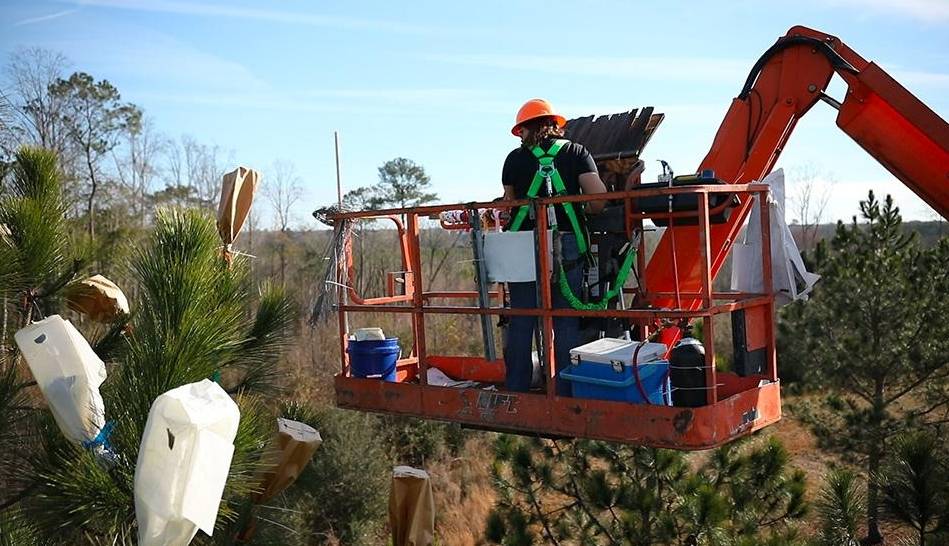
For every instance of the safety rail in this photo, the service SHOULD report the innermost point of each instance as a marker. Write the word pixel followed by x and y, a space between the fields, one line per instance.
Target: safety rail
pixel 416 302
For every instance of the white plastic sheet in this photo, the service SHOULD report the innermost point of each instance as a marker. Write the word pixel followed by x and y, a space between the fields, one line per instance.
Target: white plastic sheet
pixel 183 463
pixel 790 279
pixel 69 374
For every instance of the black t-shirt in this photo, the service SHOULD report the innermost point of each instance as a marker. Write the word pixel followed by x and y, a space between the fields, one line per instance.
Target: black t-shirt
pixel 571 161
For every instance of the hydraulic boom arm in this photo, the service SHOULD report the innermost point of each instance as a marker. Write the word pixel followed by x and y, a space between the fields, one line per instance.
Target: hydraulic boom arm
pixel 891 124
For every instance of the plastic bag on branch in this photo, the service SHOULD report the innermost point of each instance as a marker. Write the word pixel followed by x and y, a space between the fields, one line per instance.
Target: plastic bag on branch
pixel 183 462
pixel 69 374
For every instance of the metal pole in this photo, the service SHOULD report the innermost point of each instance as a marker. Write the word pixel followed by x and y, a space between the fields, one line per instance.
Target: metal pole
pixel 341 266
pixel 484 299
pixel 339 183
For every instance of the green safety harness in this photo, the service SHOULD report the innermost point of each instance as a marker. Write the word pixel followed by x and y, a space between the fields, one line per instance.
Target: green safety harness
pixel 547 172
pixel 548 175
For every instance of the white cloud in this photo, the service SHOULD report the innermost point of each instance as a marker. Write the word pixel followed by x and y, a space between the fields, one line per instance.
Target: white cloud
pixel 41 18
pixel 845 199
pixel 912 78
pixel 155 59
pixel 260 14
pixel 701 69
pixel 930 11
pixel 405 102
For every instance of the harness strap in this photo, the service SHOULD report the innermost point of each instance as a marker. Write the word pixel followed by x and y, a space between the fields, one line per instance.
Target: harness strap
pixel 614 291
pixel 547 171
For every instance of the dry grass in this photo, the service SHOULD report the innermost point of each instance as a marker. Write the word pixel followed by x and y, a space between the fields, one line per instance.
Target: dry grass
pixel 464 494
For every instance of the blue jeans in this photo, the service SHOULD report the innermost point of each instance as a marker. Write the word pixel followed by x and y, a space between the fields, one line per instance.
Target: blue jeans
pixel 520 330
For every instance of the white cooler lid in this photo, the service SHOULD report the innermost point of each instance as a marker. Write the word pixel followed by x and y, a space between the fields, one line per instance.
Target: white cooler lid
pixel 608 350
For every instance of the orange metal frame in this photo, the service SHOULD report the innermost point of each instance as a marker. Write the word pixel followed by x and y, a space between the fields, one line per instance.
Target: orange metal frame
pixel 891 124
pixel 736 406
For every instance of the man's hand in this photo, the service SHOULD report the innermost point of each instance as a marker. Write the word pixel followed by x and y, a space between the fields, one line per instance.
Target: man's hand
pixel 634 178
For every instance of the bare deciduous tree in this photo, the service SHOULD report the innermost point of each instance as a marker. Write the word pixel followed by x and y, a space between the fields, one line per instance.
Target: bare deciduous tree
pixel 283 190
pixel 136 165
pixel 193 173
pixel 30 113
pixel 204 169
pixel 807 201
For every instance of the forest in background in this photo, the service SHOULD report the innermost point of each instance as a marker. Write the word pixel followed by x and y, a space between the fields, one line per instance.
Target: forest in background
pixel 860 454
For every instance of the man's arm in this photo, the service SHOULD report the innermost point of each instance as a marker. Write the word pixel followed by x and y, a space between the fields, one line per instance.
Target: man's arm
pixel 590 183
pixel 509 193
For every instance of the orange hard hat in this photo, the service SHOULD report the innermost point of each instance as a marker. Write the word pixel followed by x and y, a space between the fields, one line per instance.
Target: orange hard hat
pixel 533 109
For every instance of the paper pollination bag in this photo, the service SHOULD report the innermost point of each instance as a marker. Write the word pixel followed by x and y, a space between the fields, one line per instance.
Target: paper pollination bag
pixel 183 463
pixel 97 298
pixel 291 449
pixel 411 507
pixel 237 196
pixel 69 374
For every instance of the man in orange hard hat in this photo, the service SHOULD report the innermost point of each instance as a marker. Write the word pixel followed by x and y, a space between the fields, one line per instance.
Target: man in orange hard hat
pixel 545 163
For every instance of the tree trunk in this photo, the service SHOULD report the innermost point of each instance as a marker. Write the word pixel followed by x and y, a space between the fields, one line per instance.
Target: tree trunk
pixel 91 205
pixel 283 264
pixel 873 467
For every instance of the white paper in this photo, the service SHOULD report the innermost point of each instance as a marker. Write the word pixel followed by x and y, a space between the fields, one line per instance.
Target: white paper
pixel 438 378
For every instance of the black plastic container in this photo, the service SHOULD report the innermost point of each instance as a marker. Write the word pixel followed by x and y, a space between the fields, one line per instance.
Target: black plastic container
pixel 687 373
pixel 686 202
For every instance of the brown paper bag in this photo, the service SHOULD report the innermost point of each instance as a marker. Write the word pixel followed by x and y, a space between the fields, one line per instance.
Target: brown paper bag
pixel 292 448
pixel 97 298
pixel 411 508
pixel 237 195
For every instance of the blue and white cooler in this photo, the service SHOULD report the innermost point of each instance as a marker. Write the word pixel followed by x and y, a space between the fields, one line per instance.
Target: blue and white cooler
pixel 604 370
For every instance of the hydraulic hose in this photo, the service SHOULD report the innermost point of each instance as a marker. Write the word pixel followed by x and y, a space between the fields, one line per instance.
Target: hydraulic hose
pixel 621 277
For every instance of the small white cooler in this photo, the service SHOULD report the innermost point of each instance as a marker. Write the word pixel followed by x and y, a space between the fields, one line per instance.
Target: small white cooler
pixel 604 370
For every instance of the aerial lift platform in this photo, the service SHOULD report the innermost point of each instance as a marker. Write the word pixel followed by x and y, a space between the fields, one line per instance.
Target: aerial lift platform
pixel 675 286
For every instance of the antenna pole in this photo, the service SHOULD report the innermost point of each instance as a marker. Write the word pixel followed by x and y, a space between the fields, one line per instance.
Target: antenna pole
pixel 339 184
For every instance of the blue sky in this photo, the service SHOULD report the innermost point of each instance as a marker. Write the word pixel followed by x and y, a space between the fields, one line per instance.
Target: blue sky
pixel 439 82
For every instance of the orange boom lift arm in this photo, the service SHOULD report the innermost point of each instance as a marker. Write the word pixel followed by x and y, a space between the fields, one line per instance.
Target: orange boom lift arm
pixel 885 119
pixel 790 78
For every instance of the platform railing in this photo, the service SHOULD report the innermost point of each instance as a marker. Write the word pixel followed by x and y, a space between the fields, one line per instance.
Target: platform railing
pixel 416 301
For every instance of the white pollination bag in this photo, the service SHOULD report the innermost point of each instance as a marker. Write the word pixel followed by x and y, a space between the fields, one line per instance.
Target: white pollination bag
pixel 183 463
pixel 69 374
pixel 790 279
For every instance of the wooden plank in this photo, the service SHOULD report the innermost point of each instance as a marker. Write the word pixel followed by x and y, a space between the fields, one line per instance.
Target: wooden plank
pixel 622 133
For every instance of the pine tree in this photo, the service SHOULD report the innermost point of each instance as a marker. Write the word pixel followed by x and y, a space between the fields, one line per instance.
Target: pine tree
pixel 915 487
pixel 840 506
pixel 584 492
pixel 876 336
pixel 402 183
pixel 194 318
